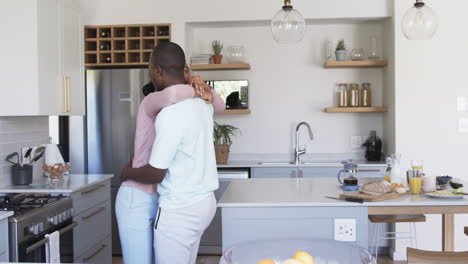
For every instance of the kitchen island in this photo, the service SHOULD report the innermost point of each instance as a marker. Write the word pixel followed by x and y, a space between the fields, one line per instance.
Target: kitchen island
pixel 256 209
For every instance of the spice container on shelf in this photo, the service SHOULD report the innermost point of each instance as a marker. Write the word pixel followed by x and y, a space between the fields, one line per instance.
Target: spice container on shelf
pixel 342 95
pixel 353 95
pixel 366 95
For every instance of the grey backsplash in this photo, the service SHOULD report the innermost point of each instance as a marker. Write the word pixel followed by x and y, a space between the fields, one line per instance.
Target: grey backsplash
pixel 17 132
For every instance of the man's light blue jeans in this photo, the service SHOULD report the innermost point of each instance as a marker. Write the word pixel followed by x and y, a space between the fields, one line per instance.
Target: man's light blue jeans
pixel 135 211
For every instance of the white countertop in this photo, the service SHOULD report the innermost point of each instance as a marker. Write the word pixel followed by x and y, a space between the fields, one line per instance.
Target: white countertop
pixel 309 192
pixel 281 164
pixel 5 214
pixel 69 184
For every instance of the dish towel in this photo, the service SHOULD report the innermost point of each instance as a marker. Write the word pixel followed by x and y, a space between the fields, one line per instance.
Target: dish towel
pixel 53 247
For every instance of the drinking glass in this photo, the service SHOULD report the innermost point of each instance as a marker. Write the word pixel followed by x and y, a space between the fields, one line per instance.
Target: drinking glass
pixel 357 54
pixel 417 165
pixel 415 185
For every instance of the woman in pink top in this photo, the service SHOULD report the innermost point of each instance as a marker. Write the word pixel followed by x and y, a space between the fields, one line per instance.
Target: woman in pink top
pixel 136 203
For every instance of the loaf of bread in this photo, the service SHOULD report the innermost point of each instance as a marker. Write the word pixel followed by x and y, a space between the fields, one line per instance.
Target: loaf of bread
pixel 378 187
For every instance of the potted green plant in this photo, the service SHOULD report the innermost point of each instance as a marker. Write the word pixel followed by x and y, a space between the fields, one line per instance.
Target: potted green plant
pixel 222 140
pixel 340 51
pixel 217 47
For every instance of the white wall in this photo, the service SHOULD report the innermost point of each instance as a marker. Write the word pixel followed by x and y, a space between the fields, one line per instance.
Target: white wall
pixel 288 84
pixel 18 132
pixel 310 88
pixel 429 76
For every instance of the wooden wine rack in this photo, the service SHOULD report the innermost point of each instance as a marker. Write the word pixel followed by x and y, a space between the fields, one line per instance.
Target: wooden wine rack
pixel 122 45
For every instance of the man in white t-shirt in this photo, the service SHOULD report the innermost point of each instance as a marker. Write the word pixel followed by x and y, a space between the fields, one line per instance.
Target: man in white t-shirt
pixel 182 162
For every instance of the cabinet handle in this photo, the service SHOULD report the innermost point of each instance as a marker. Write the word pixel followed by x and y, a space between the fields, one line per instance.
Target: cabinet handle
pixel 64 97
pixel 94 253
pixel 100 209
pixel 93 189
pixel 68 95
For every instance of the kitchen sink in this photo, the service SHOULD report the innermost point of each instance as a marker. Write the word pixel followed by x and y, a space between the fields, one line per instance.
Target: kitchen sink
pixel 276 163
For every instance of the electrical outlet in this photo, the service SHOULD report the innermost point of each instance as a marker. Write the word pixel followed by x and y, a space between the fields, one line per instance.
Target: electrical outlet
pixel 463 125
pixel 24 150
pixel 345 230
pixel 356 142
pixel 462 104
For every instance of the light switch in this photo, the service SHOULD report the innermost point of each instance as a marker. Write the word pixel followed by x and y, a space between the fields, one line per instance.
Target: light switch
pixel 463 125
pixel 462 104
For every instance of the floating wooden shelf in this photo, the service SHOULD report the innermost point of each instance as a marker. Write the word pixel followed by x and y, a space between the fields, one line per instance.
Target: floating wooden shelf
pixel 214 67
pixel 356 109
pixel 355 64
pixel 120 45
pixel 235 112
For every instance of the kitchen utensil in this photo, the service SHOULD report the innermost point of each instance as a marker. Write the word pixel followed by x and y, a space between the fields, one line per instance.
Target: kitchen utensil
pixel 36 158
pixel 373 198
pixel 11 156
pixel 354 200
pixel 38 154
pixel 21 175
pixel 28 153
pixel 350 183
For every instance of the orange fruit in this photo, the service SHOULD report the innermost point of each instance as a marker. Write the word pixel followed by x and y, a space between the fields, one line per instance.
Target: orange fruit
pixel 266 261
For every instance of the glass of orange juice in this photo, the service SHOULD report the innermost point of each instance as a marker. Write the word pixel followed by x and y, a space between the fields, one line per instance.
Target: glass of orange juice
pixel 415 185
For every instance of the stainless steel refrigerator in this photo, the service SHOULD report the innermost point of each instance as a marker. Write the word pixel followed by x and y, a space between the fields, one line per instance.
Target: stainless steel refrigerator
pixel 113 97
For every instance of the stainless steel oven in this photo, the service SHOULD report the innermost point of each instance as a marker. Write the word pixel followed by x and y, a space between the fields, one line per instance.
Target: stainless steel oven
pixel 33 250
pixel 34 218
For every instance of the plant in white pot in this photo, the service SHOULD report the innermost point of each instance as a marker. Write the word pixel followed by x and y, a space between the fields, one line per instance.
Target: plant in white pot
pixel 222 140
pixel 340 51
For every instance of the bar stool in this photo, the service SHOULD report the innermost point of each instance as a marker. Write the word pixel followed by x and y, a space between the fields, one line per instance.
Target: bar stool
pixel 435 257
pixel 379 234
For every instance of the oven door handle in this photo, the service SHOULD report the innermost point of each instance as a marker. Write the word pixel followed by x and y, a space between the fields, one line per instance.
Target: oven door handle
pixel 42 242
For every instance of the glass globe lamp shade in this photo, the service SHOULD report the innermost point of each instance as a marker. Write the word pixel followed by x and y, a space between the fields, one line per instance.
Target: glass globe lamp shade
pixel 288 25
pixel 419 22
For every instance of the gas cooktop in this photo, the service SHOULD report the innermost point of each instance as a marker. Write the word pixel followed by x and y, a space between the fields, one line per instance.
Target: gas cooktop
pixel 24 203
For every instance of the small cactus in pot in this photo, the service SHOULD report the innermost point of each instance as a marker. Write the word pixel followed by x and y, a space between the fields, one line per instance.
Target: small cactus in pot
pixel 340 51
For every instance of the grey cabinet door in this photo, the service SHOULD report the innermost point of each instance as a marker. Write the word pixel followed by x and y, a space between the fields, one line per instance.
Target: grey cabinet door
pixel 90 197
pixel 4 239
pixel 100 254
pixel 93 226
pixel 280 172
pixel 310 172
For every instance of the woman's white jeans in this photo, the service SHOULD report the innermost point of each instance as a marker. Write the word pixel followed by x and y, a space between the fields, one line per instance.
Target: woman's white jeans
pixel 136 211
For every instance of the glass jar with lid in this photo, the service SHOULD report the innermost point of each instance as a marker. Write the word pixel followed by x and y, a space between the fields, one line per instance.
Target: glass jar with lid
pixel 354 95
pixel 342 95
pixel 366 95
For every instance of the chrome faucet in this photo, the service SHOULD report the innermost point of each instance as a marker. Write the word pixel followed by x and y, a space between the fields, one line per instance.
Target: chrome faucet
pixel 299 152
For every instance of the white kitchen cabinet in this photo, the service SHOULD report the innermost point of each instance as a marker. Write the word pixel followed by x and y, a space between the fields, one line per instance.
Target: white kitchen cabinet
pixel 41 69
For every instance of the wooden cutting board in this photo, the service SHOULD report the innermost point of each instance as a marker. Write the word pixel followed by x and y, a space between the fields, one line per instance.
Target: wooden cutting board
pixel 373 198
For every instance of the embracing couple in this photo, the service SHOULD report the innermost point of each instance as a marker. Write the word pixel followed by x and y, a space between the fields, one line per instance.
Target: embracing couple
pixel 174 151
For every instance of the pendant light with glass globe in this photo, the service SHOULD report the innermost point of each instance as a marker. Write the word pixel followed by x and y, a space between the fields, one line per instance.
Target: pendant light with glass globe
pixel 419 22
pixel 288 25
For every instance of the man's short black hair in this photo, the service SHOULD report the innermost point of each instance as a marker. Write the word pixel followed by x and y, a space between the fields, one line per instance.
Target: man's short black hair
pixel 170 57
pixel 148 88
